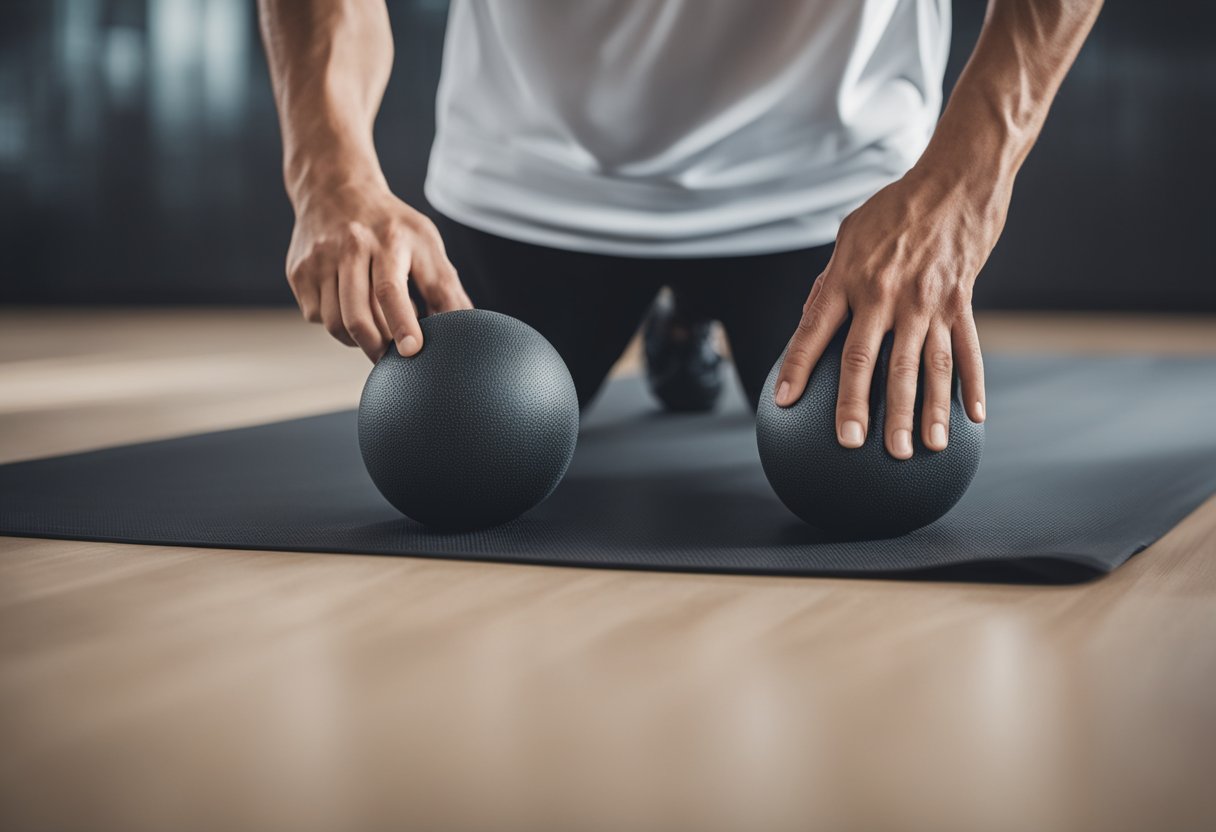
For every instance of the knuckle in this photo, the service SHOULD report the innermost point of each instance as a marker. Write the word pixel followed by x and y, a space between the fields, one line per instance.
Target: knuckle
pixel 816 305
pixel 941 362
pixel 311 314
pixel 321 254
pixel 904 368
pixel 808 325
pixel 881 289
pixel 959 300
pixel 857 357
pixel 797 357
pixel 396 236
pixel 926 293
pixel 386 290
pixel 336 329
pixel 306 267
pixel 353 239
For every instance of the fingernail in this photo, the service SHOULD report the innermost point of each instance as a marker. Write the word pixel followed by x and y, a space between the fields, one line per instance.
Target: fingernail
pixel 902 440
pixel 783 393
pixel 979 410
pixel 937 435
pixel 851 434
pixel 409 345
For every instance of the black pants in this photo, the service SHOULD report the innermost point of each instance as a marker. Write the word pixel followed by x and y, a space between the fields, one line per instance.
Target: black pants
pixel 590 305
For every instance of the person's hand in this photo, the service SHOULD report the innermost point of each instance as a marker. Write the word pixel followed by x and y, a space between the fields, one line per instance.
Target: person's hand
pixel 905 262
pixel 352 252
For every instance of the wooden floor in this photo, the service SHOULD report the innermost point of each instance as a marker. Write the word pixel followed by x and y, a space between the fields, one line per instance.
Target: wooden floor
pixel 150 688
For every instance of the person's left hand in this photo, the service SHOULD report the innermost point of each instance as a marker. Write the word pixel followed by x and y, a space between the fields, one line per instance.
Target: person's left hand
pixel 905 262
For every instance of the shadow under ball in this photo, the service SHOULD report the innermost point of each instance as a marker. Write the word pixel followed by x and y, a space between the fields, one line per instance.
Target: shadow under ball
pixel 863 492
pixel 474 430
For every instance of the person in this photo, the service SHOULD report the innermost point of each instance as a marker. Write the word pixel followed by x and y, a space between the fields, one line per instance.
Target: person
pixel 785 167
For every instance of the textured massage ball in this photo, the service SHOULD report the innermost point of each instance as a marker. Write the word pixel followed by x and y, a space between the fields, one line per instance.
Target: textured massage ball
pixel 474 430
pixel 863 492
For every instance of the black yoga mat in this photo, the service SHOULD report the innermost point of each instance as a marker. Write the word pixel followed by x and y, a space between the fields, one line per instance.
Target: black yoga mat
pixel 1088 460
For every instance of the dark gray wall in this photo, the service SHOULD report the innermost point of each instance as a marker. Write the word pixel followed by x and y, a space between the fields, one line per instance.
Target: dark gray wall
pixel 139 157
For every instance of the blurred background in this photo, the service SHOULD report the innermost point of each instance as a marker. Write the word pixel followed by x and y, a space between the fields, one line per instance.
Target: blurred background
pixel 139 157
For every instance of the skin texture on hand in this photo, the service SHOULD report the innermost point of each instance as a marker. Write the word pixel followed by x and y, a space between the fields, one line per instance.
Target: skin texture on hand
pixel 352 251
pixel 906 261
pixel 355 245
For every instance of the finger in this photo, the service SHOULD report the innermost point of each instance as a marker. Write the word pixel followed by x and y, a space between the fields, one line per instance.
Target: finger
pixel 822 315
pixel 816 288
pixel 381 321
pixel 331 312
pixel 903 370
pixel 938 384
pixel 389 270
pixel 304 281
pixel 355 296
pixel 856 374
pixel 437 282
pixel 970 366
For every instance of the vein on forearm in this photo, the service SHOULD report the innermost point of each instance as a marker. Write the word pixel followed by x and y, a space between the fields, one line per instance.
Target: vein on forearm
pixel 329 64
pixel 1004 93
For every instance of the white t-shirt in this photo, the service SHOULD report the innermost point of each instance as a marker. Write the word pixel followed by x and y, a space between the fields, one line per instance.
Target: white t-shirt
pixel 680 128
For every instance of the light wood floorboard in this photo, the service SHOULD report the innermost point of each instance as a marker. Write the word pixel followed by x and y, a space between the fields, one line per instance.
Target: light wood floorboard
pixel 149 687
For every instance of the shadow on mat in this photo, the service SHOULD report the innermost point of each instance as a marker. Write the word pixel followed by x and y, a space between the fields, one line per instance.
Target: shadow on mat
pixel 727 512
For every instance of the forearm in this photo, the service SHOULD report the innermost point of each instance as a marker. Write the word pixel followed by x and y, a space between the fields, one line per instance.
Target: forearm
pixel 329 64
pixel 1002 97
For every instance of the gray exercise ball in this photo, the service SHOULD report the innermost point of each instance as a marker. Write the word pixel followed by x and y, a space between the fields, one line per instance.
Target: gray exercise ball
pixel 863 492
pixel 474 430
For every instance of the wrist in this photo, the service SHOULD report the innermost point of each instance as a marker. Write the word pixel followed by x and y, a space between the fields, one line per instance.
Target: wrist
pixel 977 157
pixel 971 198
pixel 323 168
pixel 983 134
pixel 974 167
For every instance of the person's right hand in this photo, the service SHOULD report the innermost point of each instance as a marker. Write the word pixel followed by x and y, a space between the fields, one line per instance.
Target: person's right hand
pixel 353 250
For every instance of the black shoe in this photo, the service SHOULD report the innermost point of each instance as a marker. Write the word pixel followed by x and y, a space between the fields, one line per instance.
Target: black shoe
pixel 683 364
